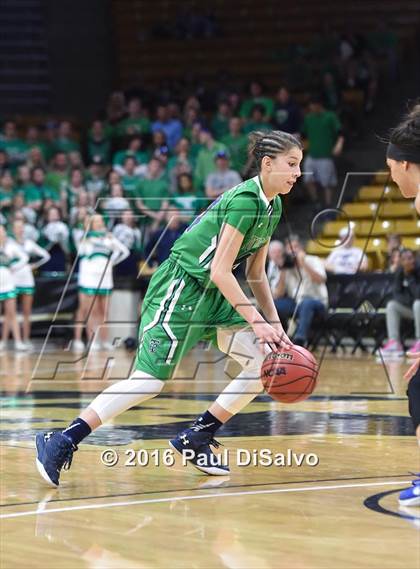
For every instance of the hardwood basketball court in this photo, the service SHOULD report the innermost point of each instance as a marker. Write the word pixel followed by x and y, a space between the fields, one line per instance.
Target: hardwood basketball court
pixel 341 513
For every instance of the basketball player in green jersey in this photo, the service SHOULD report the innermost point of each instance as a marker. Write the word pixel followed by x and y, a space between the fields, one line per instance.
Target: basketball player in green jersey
pixel 403 159
pixel 194 295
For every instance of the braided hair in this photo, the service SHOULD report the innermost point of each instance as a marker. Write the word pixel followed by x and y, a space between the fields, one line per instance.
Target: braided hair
pixel 270 144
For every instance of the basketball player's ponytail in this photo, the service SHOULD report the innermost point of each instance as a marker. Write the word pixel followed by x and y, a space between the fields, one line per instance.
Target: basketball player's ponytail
pixel 270 144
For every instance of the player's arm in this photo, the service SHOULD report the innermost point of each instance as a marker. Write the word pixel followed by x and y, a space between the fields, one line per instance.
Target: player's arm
pixel 258 281
pixel 230 240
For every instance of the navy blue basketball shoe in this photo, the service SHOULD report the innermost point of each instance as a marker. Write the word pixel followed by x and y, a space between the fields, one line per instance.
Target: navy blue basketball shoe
pixel 194 446
pixel 54 451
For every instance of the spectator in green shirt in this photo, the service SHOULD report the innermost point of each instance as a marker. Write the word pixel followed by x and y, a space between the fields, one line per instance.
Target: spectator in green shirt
pixel 13 145
pixel 6 193
pixel 134 149
pixel 98 144
pixel 322 132
pixel 136 121
pixel 57 176
pixel 65 141
pixel 257 98
pixel 130 179
pixel 34 192
pixel 4 162
pixel 153 194
pixel 95 180
pixel 75 186
pixel 36 158
pixel 205 160
pixel 237 144
pixel 257 120
pixel 220 122
pixel 33 139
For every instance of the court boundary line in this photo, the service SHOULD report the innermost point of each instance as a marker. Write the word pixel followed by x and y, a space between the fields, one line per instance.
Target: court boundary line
pixel 197 497
pixel 169 491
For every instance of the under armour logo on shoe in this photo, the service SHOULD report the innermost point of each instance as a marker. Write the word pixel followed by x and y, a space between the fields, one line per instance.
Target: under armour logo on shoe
pixel 184 439
pixel 200 427
pixel 47 436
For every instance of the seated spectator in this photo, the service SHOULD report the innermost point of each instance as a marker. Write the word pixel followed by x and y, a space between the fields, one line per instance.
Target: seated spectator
pixel 134 150
pixel 170 126
pixel 394 261
pixel 65 140
pixel 220 121
pixel 257 120
pixel 136 121
pixel 115 109
pixel 181 163
pixel 185 198
pixel 36 158
pixel 116 203
pixel 129 234
pixel 301 288
pixel 75 160
pixel 257 97
pixel 81 202
pixel 18 214
pixel 405 304
pixel 161 240
pixel 58 174
pixel 55 239
pixel 393 241
pixel 223 178
pixel 98 144
pixel 322 129
pixel 33 140
pixel 205 164
pixel 14 146
pixel 158 141
pixel 6 193
pixel 346 259
pixel 74 188
pixel 130 179
pixel 95 180
pixel 23 178
pixel 287 115
pixel 152 198
pixel 36 192
pixel 4 162
pixel 237 144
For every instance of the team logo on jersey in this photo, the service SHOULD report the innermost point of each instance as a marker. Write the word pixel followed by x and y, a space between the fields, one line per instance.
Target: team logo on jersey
pixel 153 345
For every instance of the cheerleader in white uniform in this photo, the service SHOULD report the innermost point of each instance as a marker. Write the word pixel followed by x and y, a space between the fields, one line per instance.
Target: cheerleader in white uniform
pixel 24 278
pixel 99 251
pixel 12 258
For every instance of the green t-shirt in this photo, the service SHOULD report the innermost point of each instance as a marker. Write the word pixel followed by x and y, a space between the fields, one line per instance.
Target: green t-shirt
pixel 66 145
pixel 50 193
pixel 321 130
pixel 153 192
pixel 5 196
pixel 238 150
pixel 44 147
pixel 32 193
pixel 16 150
pixel 100 149
pixel 245 207
pixel 56 181
pixel 248 104
pixel 130 185
pixel 132 126
pixel 206 163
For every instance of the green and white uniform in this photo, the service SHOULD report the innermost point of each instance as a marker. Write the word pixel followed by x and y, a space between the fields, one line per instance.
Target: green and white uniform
pixel 12 258
pixel 182 306
pixel 99 252
pixel 23 276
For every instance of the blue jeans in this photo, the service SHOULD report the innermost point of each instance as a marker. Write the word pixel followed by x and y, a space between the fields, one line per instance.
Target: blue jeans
pixel 305 313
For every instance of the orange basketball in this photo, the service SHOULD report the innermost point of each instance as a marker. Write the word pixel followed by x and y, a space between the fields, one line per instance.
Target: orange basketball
pixel 289 375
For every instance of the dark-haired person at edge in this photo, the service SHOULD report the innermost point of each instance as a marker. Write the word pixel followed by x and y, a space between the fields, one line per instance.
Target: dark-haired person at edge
pixel 403 159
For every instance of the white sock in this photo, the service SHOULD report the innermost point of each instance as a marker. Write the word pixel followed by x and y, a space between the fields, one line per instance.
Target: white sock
pixel 120 396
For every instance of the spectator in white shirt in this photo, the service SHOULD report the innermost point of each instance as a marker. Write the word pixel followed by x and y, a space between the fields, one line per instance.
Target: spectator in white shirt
pixel 346 259
pixel 223 178
pixel 300 288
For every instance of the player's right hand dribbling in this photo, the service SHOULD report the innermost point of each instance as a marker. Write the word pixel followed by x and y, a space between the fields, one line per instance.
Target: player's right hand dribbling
pixel 267 334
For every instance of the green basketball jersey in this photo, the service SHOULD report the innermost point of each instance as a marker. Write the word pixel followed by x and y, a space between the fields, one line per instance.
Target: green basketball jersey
pixel 246 208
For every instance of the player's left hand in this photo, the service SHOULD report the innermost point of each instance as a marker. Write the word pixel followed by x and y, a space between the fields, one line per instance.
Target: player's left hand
pixel 412 370
pixel 285 338
pixel 300 258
